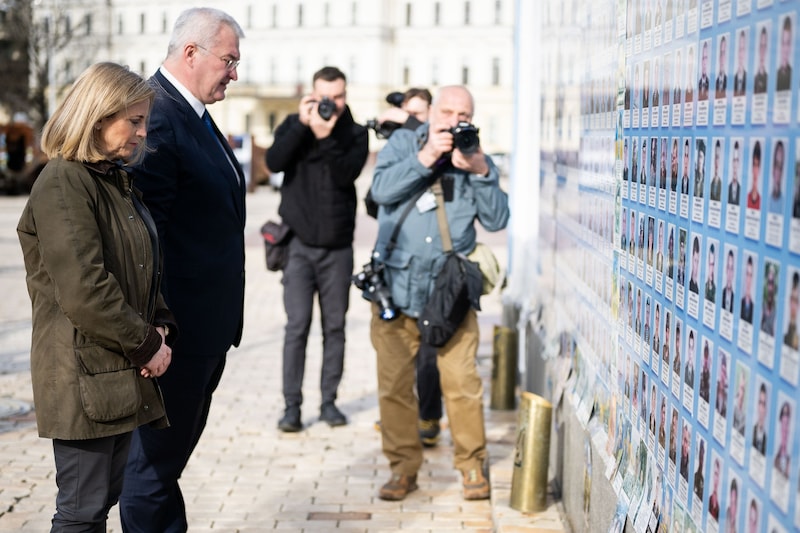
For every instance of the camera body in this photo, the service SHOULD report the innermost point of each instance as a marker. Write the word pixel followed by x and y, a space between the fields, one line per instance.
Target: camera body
pixel 384 129
pixel 326 108
pixel 370 279
pixel 465 137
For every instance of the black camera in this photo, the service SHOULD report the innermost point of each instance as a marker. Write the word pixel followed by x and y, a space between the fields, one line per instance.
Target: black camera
pixel 326 107
pixel 465 137
pixel 383 129
pixel 370 279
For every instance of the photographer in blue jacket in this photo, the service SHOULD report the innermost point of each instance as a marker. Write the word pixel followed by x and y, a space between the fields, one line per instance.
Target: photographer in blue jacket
pixel 446 148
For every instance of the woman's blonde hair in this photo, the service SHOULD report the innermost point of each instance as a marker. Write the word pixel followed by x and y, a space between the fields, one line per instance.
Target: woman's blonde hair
pixel 101 91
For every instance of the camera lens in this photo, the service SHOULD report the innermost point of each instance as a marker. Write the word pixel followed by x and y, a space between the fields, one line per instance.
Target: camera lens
pixel 465 137
pixel 326 108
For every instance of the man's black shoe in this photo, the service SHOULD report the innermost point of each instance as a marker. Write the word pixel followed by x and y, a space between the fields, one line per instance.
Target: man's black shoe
pixel 291 423
pixel 332 415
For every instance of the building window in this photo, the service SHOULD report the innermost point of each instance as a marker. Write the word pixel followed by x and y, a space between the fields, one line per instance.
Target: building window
pixel 120 27
pixel 467 13
pixel 326 14
pixel 164 23
pixel 437 13
pixel 408 15
pixel 498 11
pixel 300 16
pixel 88 22
pixel 272 119
pixel 496 71
pixel 353 13
pixel 67 25
pixel 142 68
pixel 435 73
pixel 464 75
pixel 249 16
pixel 141 23
pixel 275 15
pixel 406 75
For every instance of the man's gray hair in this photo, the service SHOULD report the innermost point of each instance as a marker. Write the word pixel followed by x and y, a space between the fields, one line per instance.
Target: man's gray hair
pixel 200 25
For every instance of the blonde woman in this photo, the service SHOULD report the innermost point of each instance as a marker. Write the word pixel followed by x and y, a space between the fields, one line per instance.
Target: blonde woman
pixel 100 326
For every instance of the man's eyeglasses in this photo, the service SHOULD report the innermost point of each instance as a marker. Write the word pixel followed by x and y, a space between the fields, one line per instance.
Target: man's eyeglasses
pixel 230 63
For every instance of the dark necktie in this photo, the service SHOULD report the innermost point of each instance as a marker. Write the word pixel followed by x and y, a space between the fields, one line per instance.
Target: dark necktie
pixel 210 126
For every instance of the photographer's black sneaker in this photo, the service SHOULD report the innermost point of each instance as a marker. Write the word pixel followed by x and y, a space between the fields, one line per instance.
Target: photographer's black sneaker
pixel 291 423
pixel 332 415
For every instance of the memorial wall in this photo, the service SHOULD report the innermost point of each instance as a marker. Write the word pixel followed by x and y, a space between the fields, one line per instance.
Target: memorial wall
pixel 670 253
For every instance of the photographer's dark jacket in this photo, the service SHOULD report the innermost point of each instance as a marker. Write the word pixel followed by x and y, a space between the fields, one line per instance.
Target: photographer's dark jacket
pixel 412 266
pixel 318 195
pixel 93 271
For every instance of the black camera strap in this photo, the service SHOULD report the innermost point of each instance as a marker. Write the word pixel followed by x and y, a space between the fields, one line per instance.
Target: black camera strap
pixel 392 244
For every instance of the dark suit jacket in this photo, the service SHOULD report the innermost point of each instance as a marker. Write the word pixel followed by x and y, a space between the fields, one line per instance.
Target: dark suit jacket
pixel 747 310
pixel 197 201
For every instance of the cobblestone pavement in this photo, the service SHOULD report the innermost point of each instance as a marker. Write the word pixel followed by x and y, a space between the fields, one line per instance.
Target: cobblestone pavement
pixel 245 475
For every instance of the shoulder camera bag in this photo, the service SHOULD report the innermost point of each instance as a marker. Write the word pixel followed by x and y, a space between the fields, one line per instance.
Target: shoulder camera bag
pixel 457 287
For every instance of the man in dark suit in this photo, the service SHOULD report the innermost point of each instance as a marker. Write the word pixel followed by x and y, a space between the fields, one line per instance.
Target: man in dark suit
pixel 677 79
pixel 785 69
pixel 722 76
pixel 734 188
pixel 740 78
pixel 760 82
pixel 746 312
pixel 195 190
pixel 703 81
pixel 759 428
pixel 728 293
pixel 685 178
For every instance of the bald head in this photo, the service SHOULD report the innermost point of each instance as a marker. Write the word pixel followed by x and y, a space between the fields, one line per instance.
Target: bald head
pixel 452 104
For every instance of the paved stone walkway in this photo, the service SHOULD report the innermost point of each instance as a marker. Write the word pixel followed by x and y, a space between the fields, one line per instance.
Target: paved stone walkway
pixel 246 476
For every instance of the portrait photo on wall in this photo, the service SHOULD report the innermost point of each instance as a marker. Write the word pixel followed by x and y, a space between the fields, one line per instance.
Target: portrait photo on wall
pixel 785 35
pixel 715 490
pixel 734 189
pixel 790 356
pixel 782 453
pixel 752 228
pixel 761 68
pixel 776 193
pixel 791 336
pixel 794 224
pixel 740 74
pixel 721 81
pixel 786 47
pixel 710 286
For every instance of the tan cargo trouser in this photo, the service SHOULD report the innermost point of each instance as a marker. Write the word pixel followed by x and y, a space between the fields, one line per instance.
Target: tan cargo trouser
pixel 396 343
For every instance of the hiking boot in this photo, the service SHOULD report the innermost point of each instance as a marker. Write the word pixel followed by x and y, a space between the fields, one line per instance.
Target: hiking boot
pixel 291 423
pixel 476 485
pixel 332 415
pixel 398 487
pixel 429 432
